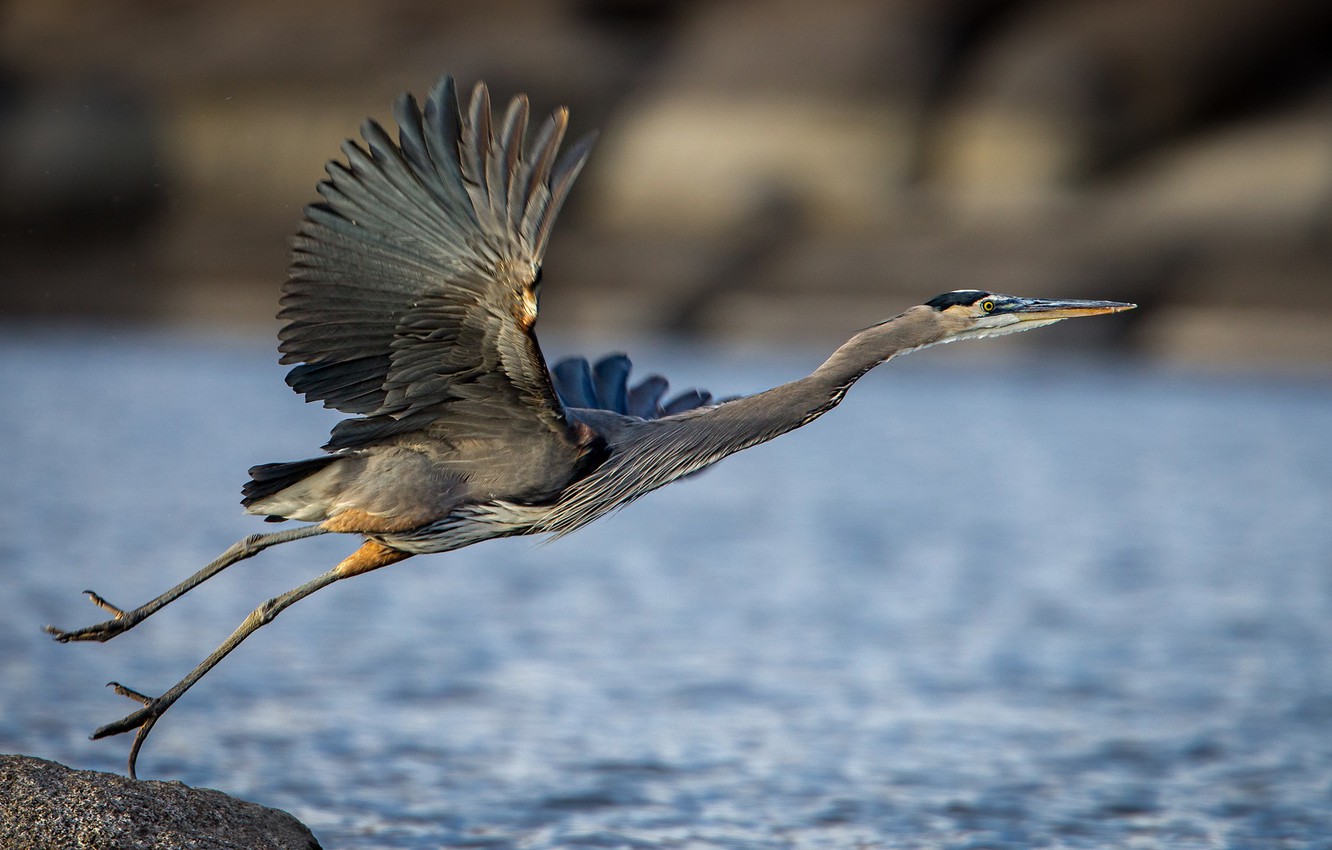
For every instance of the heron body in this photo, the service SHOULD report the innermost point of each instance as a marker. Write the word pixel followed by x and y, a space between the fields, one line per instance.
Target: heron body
pixel 411 305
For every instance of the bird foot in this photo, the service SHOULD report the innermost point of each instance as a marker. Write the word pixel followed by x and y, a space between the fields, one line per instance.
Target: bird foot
pixel 152 709
pixel 120 621
pixel 142 720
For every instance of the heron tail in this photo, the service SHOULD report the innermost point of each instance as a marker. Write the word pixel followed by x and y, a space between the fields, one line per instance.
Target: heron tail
pixel 269 479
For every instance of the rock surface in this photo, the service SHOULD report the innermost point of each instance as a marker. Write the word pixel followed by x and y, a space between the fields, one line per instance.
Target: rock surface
pixel 44 804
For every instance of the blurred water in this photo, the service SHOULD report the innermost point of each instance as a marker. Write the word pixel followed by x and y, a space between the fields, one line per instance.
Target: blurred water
pixel 1028 605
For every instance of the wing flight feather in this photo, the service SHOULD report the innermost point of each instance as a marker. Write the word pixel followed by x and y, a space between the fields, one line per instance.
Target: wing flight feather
pixel 411 295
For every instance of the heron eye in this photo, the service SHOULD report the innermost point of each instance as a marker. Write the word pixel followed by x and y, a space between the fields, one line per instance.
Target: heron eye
pixel 987 306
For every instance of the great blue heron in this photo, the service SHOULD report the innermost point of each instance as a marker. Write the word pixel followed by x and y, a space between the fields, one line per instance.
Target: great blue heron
pixel 411 303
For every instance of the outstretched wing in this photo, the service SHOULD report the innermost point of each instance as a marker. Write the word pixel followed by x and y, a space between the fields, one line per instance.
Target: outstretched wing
pixel 412 292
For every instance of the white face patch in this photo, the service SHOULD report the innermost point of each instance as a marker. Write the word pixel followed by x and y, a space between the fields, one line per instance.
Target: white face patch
pixel 999 324
pixel 1002 324
pixel 1012 327
pixel 987 321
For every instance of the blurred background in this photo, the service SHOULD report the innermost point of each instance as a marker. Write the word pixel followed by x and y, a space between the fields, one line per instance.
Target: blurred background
pixel 766 170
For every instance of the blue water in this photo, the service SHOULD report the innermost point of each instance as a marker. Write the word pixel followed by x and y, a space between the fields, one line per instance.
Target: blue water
pixel 985 603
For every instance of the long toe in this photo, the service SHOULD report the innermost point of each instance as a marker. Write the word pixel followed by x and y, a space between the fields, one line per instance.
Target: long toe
pixel 142 699
pixel 153 707
pixel 141 720
pixel 104 605
pixel 120 621
pixel 148 713
pixel 100 632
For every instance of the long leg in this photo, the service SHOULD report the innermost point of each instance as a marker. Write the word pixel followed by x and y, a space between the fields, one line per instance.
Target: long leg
pixel 370 556
pixel 125 620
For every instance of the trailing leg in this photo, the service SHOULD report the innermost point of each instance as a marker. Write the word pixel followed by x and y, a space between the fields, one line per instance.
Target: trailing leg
pixel 122 620
pixel 369 557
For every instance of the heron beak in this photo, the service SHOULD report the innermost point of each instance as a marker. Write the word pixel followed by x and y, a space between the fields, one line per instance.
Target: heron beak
pixel 1042 310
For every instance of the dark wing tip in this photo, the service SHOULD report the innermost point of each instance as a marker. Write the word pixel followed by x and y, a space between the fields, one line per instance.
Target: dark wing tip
pixel 572 379
pixel 606 386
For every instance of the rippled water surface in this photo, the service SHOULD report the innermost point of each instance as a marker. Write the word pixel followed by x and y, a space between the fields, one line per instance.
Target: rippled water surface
pixel 1035 604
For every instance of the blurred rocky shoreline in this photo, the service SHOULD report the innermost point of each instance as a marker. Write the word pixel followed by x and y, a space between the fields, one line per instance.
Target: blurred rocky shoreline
pixel 765 170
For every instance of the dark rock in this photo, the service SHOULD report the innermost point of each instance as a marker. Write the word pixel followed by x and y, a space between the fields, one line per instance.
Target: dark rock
pixel 47 805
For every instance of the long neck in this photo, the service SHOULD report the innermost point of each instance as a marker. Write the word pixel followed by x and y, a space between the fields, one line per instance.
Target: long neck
pixel 916 328
pixel 647 454
pixel 789 406
pixel 727 428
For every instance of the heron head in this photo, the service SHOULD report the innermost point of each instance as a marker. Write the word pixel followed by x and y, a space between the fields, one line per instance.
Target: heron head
pixel 975 314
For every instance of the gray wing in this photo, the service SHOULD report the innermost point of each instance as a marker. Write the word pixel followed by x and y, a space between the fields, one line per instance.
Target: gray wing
pixel 605 386
pixel 412 293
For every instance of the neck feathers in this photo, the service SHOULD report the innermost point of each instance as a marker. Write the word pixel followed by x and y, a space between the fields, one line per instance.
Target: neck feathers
pixel 757 418
pixel 912 330
pixel 645 455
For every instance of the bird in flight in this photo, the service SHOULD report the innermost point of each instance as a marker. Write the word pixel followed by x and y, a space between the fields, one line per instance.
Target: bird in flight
pixel 411 304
